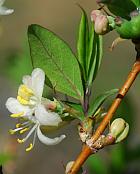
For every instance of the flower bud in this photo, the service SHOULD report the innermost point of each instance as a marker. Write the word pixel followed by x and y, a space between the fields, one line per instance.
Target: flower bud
pixel 101 25
pixel 50 105
pixel 94 14
pixel 119 129
pixel 123 135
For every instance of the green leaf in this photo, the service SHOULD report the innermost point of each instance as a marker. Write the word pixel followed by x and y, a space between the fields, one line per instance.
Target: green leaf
pixel 75 106
pixel 79 109
pixel 99 101
pixel 89 48
pixel 55 57
pixel 95 58
pixel 82 42
pixel 99 55
pixel 67 118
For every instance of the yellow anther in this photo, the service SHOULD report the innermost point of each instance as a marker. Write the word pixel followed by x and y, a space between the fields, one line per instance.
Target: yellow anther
pixel 22 100
pixel 23 89
pixel 18 125
pixel 11 131
pixel 20 141
pixel 28 90
pixel 23 130
pixel 20 114
pixel 24 96
pixel 29 148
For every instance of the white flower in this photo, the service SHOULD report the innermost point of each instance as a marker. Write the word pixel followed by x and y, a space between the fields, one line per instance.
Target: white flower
pixel 29 95
pixel 5 10
pixel 29 108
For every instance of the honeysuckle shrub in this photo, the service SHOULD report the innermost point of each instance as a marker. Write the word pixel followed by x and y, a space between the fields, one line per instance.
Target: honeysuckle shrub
pixel 71 74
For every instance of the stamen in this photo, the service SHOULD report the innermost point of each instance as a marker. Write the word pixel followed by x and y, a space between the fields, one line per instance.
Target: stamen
pixel 11 131
pixel 31 131
pixel 26 90
pixel 18 125
pixel 20 141
pixel 26 123
pixel 22 100
pixel 24 130
pixel 35 134
pixel 23 125
pixel 20 114
pixel 34 128
pixel 29 148
pixel 24 94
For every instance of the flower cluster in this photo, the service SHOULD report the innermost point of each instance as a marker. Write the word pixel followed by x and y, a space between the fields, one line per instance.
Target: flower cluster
pixel 31 110
pixel 102 23
pixel 125 20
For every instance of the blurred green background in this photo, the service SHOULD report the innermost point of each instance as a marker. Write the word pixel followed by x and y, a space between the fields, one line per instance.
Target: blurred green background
pixel 63 17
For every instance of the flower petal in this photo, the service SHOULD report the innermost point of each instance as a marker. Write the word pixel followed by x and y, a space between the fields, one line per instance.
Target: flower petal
pixel 38 78
pixel 15 107
pixel 49 141
pixel 27 80
pixel 5 11
pixel 45 117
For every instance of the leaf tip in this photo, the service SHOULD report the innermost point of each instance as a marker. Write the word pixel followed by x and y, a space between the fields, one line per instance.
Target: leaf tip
pixel 31 28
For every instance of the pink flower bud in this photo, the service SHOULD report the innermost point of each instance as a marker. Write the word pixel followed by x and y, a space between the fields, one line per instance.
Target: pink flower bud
pixel 52 106
pixel 101 25
pixel 94 14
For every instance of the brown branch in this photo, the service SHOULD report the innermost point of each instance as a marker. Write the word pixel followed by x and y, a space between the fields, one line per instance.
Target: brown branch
pixel 86 151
